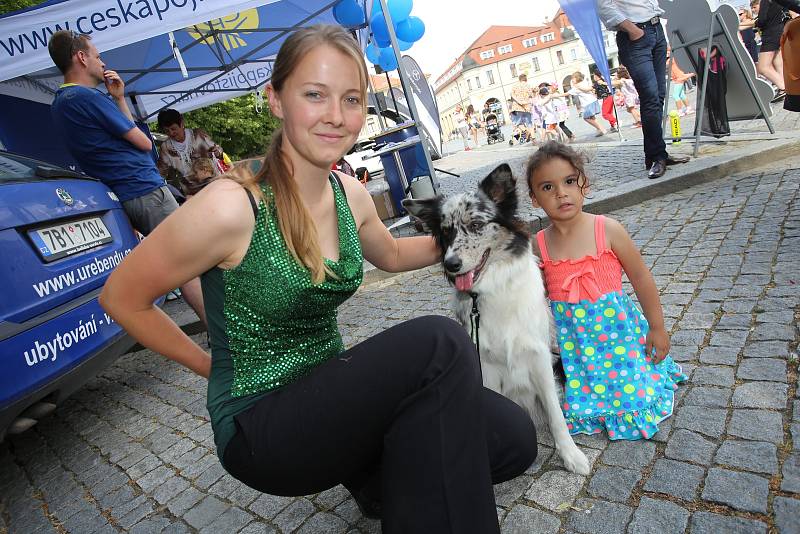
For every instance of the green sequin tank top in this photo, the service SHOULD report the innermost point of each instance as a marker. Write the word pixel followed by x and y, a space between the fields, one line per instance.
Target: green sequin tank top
pixel 268 324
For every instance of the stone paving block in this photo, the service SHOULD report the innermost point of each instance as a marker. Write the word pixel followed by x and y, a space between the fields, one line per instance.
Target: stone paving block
pixel 760 395
pixel 677 479
pixel 595 441
pixel 525 520
pixel 555 488
pixel 542 456
pixel 742 491
pixel 729 338
pixel 591 454
pixel 85 521
pixel 791 472
pixel 739 305
pixel 507 492
pixel 231 520
pixel 629 453
pixel 143 467
pixel 765 369
pixel 613 483
pixel 767 349
pixel 787 515
pixel 208 477
pixel 719 355
pixel 599 517
pixel 773 332
pixel 262 528
pixel 707 421
pixel 757 425
pixel 152 524
pixel 170 489
pixel 349 511
pixel 710 523
pixel 734 321
pixel 688 338
pixel 184 501
pixel 654 516
pixel 223 487
pixel 664 428
pixel 331 498
pixel 155 478
pixel 708 396
pixel 689 446
pixel 713 375
pixel 142 510
pixel 294 515
pixel 755 456
pixel 205 512
pixel 268 506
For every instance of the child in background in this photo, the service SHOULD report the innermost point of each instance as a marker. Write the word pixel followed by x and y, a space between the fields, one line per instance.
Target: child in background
pixel 625 85
pixel 619 376
pixel 679 78
pixel 583 90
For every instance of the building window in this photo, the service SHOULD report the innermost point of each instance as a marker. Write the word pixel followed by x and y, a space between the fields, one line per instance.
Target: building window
pixel 547 37
pixel 505 49
pixel 573 54
pixel 469 85
pixel 560 57
pixel 527 43
pixel 486 54
pixel 535 62
pixel 477 82
pixel 513 70
pixel 489 77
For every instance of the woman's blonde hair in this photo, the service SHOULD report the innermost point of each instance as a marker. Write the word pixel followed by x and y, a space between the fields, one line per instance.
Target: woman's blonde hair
pixel 578 75
pixel 294 220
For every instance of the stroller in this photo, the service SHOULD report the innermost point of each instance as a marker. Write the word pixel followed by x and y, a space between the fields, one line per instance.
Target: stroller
pixel 493 132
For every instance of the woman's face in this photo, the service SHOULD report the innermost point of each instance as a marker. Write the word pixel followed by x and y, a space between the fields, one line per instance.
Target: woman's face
pixel 176 132
pixel 321 107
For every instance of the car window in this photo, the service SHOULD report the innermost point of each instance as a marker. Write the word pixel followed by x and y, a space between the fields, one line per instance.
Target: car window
pixel 12 168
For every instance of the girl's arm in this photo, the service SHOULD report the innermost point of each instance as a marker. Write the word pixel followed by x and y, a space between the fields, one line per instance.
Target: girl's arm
pixel 643 285
pixel 380 248
pixel 199 235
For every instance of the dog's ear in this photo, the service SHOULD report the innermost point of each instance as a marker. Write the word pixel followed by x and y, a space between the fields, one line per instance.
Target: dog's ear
pixel 501 187
pixel 426 210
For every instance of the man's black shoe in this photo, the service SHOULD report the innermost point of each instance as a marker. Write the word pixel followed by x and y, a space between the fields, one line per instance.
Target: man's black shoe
pixel 671 160
pixel 657 170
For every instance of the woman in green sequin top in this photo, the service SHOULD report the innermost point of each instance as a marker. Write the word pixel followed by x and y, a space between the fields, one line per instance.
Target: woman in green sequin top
pixel 401 419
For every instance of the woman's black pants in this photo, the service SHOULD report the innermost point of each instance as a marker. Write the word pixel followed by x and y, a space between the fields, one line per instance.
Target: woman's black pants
pixel 567 131
pixel 405 407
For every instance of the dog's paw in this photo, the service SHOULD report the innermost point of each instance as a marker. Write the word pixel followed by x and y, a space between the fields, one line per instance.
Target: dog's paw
pixel 575 461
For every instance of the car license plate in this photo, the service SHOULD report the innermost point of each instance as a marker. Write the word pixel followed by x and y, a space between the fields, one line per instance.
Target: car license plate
pixel 60 240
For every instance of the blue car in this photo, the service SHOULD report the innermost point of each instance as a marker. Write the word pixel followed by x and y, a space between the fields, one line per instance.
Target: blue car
pixel 61 235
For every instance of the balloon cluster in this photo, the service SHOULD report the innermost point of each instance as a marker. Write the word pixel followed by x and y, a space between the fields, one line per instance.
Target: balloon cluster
pixel 408 29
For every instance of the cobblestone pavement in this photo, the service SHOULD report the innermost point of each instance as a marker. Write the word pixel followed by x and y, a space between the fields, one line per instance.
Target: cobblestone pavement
pixel 133 451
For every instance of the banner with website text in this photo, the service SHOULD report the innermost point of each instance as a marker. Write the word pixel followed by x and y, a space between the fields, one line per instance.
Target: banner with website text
pixel 110 23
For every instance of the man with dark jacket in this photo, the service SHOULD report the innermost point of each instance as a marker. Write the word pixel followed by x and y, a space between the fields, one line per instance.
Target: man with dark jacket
pixel 642 49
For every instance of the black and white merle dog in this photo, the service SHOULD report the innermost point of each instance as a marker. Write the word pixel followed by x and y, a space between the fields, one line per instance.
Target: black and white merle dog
pixel 487 252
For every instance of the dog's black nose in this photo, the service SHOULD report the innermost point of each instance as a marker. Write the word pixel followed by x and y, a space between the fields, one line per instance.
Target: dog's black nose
pixel 453 264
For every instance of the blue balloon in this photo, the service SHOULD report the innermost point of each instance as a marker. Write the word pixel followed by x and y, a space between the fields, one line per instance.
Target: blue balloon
pixel 400 9
pixel 379 30
pixel 411 30
pixel 404 45
pixel 387 59
pixel 373 53
pixel 349 13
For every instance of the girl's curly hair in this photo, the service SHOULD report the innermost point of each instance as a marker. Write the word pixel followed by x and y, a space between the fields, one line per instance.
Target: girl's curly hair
pixel 554 149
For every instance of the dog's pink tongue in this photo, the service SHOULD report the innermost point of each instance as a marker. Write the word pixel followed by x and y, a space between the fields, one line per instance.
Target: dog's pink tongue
pixel 464 281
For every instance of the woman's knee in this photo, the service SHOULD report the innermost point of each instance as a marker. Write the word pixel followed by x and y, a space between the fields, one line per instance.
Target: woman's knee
pixel 446 340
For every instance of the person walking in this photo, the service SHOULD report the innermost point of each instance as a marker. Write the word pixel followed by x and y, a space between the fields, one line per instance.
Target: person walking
pixel 100 134
pixel 402 419
pixel 642 49
pixel 462 126
pixel 603 94
pixel 474 123
pixel 770 21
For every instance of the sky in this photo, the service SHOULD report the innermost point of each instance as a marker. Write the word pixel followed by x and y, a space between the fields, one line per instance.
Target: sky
pixel 452 25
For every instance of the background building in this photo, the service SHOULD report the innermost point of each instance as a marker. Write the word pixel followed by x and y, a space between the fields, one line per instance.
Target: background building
pixel 486 71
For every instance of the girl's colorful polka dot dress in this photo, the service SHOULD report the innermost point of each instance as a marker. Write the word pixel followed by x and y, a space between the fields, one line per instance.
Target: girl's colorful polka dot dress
pixel 611 382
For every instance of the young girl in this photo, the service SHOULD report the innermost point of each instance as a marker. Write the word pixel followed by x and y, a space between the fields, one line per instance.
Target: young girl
pixel 619 375
pixel 628 90
pixel 587 100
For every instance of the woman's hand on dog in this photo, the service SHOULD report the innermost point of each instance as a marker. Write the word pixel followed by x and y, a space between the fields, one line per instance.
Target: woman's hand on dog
pixel 657 344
